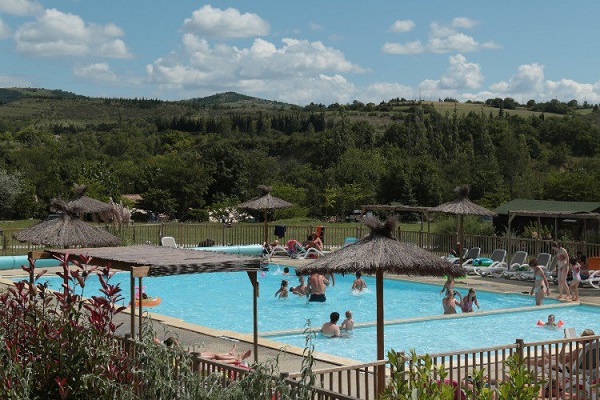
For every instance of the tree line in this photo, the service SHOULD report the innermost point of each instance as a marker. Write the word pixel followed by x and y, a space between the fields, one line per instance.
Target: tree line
pixel 327 163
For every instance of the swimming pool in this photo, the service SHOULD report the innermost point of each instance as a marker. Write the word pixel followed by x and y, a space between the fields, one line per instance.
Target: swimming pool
pixel 224 301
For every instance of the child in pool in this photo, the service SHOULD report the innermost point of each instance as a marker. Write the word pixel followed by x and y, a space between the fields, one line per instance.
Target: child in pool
pixel 283 290
pixel 348 323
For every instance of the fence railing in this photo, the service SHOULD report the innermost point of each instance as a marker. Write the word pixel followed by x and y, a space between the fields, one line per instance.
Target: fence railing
pixel 192 235
pixel 565 368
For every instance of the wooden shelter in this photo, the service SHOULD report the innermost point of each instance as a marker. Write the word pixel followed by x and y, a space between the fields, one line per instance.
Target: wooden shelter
pixel 66 231
pixel 462 206
pixel 380 253
pixel 145 260
pixel 265 203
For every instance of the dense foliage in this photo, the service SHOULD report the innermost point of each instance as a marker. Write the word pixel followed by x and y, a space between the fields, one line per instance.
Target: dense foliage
pixel 326 160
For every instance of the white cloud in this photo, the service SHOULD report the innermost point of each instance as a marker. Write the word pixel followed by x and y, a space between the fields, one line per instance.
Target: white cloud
pixel 406 48
pixel 97 72
pixel 443 39
pixel 214 22
pixel 378 91
pixel 464 22
pixel 461 75
pixel 14 81
pixel 567 89
pixel 61 34
pixel 401 26
pixel 528 81
pixel 4 30
pixel 21 8
pixel 293 71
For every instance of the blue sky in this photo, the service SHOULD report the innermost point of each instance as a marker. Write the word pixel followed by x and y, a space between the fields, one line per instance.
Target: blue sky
pixel 304 51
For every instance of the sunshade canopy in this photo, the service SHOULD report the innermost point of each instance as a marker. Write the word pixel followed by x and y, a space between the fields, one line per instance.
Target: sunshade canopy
pixel 265 202
pixel 165 260
pixel 462 205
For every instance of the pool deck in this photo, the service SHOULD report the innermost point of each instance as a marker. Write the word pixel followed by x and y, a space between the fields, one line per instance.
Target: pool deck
pixel 290 358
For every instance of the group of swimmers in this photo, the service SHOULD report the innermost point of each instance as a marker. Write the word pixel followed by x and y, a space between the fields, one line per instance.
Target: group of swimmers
pixel 450 301
pixel 317 284
pixel 331 329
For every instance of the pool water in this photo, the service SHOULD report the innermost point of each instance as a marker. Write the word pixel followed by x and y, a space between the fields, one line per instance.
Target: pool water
pixel 224 301
pixel 450 334
pixel 195 298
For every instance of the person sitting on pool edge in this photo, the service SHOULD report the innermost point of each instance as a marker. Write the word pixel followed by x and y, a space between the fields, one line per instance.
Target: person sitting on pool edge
pixel 316 287
pixel 330 328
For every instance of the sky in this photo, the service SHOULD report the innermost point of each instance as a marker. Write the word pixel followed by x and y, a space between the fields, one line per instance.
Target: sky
pixel 306 51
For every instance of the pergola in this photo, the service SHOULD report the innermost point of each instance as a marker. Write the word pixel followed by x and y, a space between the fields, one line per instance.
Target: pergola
pixel 145 260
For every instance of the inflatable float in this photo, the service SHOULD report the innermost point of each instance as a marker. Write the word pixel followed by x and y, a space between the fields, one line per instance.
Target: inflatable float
pixel 250 250
pixel 148 302
pixel 558 324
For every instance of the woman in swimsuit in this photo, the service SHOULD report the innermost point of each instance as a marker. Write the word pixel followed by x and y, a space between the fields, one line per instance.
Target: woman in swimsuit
pixel 467 302
pixel 541 288
pixel 562 267
pixel 576 270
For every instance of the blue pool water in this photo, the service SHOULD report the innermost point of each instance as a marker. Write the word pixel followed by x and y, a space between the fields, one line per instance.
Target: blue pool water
pixel 453 333
pixel 224 301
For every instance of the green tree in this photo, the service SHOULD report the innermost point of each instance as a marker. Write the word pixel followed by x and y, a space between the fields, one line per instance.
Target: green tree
pixel 11 187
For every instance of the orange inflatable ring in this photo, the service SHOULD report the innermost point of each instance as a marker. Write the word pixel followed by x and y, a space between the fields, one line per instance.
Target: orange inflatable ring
pixel 148 302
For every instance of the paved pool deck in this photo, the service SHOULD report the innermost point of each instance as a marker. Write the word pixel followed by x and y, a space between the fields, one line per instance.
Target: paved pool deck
pixel 290 358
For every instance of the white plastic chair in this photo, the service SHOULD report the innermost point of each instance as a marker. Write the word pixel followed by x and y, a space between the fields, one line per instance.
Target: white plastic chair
pixel 168 241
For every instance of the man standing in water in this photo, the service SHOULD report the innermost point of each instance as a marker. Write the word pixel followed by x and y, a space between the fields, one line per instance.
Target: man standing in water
pixel 316 287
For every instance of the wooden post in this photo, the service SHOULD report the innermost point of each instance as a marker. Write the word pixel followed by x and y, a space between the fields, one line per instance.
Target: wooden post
pixel 255 292
pixel 132 305
pixel 380 384
pixel 137 272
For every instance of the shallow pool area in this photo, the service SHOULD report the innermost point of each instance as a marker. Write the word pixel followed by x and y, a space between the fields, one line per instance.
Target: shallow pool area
pixel 224 301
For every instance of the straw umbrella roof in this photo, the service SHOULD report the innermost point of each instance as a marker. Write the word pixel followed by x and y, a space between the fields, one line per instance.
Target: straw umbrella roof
pixel 166 260
pixel 266 201
pixel 85 204
pixel 66 231
pixel 462 205
pixel 380 251
pixel 377 253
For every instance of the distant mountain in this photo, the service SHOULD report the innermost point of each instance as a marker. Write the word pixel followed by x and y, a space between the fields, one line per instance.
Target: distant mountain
pixel 236 100
pixel 8 95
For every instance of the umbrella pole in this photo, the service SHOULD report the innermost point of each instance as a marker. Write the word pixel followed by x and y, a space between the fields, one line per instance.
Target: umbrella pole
pixel 132 305
pixel 461 237
pixel 266 235
pixel 380 338
pixel 253 279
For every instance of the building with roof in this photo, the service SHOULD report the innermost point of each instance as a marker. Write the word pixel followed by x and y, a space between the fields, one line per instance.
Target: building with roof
pixel 578 219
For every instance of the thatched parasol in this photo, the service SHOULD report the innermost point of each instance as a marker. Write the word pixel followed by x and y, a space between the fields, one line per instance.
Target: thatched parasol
pixel 377 253
pixel 265 203
pixel 66 231
pixel 83 204
pixel 462 206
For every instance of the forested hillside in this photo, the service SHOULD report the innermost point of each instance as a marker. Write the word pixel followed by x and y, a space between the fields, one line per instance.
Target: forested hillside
pixel 185 157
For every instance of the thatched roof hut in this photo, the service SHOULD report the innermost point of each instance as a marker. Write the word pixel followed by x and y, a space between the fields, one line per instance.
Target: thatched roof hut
pixel 266 202
pixel 82 204
pixel 377 253
pixel 462 206
pixel 66 231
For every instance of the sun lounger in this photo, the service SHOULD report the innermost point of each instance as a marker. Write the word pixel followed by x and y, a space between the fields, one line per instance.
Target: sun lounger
pixel 476 266
pixel 498 270
pixel 543 260
pixel 593 279
pixel 168 241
